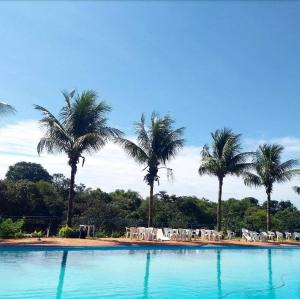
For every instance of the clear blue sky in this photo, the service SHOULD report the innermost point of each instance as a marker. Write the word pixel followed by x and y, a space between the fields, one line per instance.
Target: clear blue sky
pixel 209 64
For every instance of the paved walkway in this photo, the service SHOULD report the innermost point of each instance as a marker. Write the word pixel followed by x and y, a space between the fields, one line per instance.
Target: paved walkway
pixel 123 241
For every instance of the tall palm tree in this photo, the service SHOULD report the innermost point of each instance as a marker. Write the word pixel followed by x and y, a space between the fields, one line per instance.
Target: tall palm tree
pixel 81 127
pixel 6 108
pixel 224 158
pixel 269 170
pixel 156 145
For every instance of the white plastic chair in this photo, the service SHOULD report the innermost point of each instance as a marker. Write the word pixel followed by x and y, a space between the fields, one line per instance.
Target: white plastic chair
pixel 288 235
pixel 160 236
pixel 246 235
pixel 263 236
pixel 279 236
pixel 254 236
pixel 204 234
pixel 230 234
pixel 127 234
pixel 271 235
pixel 133 233
pixel 141 233
pixel 296 236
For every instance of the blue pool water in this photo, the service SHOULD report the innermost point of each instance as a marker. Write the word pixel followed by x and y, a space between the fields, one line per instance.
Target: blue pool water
pixel 150 272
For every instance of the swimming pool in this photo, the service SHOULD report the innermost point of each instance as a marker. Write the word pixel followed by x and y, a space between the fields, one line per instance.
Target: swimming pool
pixel 149 272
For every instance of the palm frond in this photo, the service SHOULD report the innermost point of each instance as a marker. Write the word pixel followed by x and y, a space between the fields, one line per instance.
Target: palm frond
pixel 297 189
pixel 251 179
pixel 142 135
pixel 133 150
pixel 66 110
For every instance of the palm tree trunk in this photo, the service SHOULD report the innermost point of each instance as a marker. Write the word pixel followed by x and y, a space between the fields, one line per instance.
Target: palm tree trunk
pixel 268 211
pixel 150 204
pixel 219 207
pixel 71 195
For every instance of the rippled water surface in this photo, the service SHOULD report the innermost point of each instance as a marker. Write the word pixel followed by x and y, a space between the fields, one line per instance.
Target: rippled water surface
pixel 150 273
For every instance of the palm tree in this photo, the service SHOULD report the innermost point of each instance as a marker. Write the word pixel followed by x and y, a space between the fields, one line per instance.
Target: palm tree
pixel 156 145
pixel 6 108
pixel 269 170
pixel 224 158
pixel 80 127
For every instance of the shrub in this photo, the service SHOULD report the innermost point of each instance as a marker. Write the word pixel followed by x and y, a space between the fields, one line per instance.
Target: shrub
pixel 37 234
pixel 116 234
pixel 100 234
pixel 9 228
pixel 67 232
pixel 19 235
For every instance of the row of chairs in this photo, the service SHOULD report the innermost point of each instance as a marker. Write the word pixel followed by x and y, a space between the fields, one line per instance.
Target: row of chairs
pixel 179 234
pixel 249 235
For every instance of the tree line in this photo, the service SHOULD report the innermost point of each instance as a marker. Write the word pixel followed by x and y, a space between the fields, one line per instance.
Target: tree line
pixel 29 190
pixel 82 127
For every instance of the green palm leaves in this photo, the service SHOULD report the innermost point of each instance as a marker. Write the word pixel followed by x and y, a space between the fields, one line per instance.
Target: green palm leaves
pixel 81 127
pixel 223 158
pixel 269 170
pixel 156 145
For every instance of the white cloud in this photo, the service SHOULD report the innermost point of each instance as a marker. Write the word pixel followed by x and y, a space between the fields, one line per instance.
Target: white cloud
pixel 111 168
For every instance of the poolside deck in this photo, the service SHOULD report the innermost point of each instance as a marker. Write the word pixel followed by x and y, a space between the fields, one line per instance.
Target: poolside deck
pixel 123 241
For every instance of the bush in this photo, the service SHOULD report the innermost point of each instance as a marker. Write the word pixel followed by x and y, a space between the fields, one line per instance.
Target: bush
pixel 100 234
pixel 37 234
pixel 19 235
pixel 9 228
pixel 116 235
pixel 68 232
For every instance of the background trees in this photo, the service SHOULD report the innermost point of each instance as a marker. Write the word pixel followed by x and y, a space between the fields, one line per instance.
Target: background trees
pixel 27 171
pixel 111 212
pixel 80 127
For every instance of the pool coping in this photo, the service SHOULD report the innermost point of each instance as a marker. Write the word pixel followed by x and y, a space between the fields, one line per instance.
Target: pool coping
pixel 121 243
pixel 143 248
